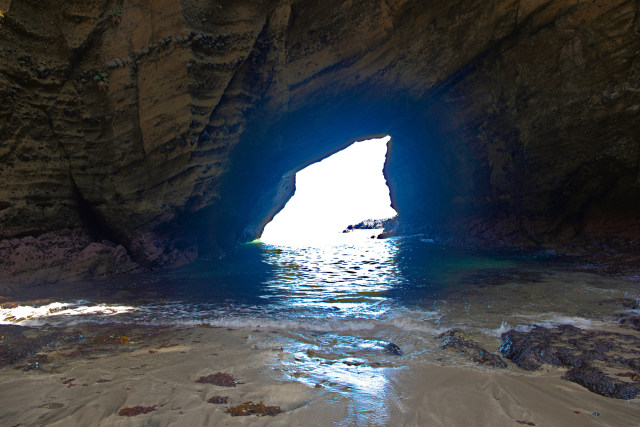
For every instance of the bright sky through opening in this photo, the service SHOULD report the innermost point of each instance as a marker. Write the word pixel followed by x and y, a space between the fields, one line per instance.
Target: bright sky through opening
pixel 343 189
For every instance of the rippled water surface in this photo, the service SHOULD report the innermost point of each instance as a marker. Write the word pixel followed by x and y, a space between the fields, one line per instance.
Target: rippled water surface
pixel 357 282
pixel 336 307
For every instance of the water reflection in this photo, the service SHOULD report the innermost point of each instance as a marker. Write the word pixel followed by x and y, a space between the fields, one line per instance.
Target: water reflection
pixel 349 365
pixel 351 279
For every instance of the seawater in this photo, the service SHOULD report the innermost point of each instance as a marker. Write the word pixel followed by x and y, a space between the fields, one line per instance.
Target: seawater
pixel 335 307
pixel 408 283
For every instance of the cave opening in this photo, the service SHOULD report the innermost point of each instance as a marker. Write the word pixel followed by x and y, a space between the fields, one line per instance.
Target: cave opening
pixel 333 195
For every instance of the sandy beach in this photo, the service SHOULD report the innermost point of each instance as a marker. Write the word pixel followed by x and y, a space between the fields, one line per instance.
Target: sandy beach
pixel 90 382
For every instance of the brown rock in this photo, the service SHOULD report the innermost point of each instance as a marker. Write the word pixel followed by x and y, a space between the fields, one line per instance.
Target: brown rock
pixel 512 123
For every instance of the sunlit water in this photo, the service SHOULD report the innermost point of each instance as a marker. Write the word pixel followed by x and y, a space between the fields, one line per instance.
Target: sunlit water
pixel 337 306
pixel 342 189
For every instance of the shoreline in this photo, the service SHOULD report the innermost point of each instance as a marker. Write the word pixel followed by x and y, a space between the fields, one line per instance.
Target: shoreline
pixel 89 384
pixel 334 337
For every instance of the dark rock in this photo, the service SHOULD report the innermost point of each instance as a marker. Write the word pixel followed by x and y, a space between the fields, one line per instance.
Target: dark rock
pixel 564 345
pixel 598 382
pixel 630 320
pixel 393 349
pixel 456 340
pixel 19 342
pixel 111 64
pixel 587 354
pixel 367 224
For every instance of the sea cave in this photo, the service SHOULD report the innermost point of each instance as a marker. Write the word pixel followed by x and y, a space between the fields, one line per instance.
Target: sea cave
pixel 149 149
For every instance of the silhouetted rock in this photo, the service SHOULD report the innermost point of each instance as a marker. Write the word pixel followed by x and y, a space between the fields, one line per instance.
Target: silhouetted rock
pixel 367 224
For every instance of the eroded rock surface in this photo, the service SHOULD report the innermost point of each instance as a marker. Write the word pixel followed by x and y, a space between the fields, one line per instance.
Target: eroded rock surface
pixel 606 363
pixel 456 340
pixel 176 129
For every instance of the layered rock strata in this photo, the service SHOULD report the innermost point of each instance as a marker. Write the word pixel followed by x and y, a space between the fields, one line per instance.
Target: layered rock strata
pixel 148 133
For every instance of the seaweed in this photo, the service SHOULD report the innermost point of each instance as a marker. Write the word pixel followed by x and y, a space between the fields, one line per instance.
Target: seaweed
pixel 218 399
pixel 136 410
pixel 250 408
pixel 219 378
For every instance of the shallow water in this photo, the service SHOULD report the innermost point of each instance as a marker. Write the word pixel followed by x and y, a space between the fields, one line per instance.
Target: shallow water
pixel 335 307
pixel 356 283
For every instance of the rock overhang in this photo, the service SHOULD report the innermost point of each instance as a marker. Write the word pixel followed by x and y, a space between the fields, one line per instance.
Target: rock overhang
pixel 511 125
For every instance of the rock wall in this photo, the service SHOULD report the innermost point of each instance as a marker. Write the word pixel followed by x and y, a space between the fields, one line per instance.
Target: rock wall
pixel 148 133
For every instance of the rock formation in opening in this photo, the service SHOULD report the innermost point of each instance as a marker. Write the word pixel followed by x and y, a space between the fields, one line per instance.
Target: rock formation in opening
pixel 148 133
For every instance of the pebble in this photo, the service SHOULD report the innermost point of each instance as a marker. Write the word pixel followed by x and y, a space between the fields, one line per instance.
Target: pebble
pixel 112 64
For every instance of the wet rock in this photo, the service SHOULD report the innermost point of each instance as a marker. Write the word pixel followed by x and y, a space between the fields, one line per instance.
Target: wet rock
pixel 456 340
pixel 589 355
pixel 393 349
pixel 565 345
pixel 630 320
pixel 42 71
pixel 629 303
pixel 598 382
pixel 367 224
pixel 20 342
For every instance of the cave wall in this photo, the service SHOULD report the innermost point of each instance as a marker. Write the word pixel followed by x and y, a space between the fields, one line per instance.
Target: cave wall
pixel 513 123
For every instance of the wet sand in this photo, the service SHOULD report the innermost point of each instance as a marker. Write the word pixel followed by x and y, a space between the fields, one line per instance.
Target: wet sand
pixel 89 383
pixel 306 330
